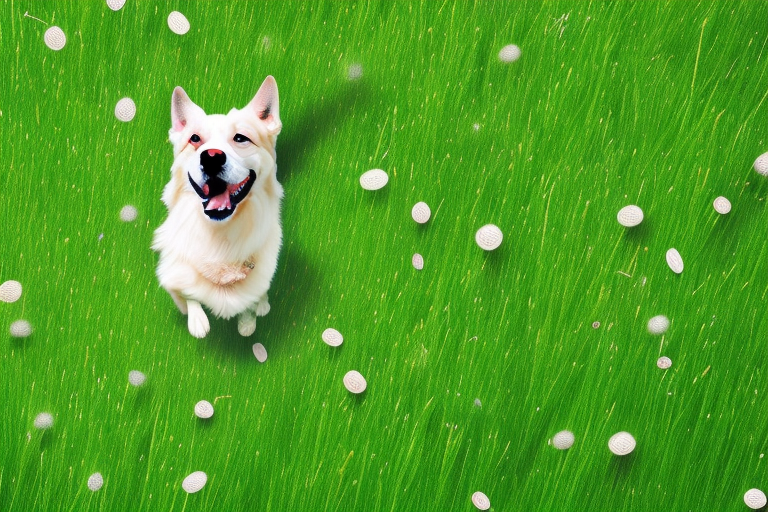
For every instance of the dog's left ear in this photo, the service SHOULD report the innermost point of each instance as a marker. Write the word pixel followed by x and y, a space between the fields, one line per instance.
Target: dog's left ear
pixel 266 104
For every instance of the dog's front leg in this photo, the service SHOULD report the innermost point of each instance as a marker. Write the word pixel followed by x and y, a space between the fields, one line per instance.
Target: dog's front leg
pixel 246 321
pixel 197 321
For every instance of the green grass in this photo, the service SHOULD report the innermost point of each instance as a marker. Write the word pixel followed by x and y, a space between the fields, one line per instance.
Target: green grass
pixel 660 104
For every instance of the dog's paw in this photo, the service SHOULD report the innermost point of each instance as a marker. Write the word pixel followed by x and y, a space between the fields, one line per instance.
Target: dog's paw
pixel 197 322
pixel 263 307
pixel 246 323
pixel 180 302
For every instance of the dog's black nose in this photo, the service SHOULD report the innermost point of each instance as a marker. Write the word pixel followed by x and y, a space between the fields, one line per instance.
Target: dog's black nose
pixel 212 161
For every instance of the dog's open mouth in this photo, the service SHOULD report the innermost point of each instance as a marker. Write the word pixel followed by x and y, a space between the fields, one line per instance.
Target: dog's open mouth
pixel 220 198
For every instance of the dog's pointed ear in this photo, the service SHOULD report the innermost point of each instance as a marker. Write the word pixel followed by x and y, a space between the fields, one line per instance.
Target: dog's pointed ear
pixel 266 104
pixel 182 109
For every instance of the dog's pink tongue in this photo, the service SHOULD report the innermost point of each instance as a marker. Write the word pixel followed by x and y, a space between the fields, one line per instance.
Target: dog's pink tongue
pixel 218 201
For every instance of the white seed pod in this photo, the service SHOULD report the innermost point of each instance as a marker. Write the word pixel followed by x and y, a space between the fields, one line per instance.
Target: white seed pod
pixel 621 443
pixel 630 216
pixel 761 164
pixel 722 205
pixel 563 440
pixel 675 261
pixel 54 38
pixel 43 421
pixel 510 53
pixel 421 212
pixel 203 409
pixel 355 72
pixel 354 382
pixel 332 337
pixel 125 109
pixel 374 179
pixel 194 481
pixel 664 362
pixel 260 352
pixel 489 237
pixel 95 482
pixel 478 403
pixel 21 329
pixel 418 261
pixel 658 324
pixel 178 23
pixel 136 378
pixel 115 5
pixel 755 499
pixel 128 213
pixel 481 501
pixel 10 291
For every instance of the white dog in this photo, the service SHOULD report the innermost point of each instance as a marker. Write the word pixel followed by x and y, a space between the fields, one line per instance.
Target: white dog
pixel 219 245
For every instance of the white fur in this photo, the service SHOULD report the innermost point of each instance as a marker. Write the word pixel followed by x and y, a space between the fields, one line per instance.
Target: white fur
pixel 226 266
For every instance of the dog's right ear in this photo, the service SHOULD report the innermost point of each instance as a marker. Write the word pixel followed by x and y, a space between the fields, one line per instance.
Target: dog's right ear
pixel 182 110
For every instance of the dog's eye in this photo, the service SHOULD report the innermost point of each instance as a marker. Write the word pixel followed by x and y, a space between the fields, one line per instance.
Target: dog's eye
pixel 194 139
pixel 240 138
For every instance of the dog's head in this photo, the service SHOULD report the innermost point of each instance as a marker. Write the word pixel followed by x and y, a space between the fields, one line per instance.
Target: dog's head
pixel 223 157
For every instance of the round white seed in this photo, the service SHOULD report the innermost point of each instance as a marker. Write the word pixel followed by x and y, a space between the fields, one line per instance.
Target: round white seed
pixel 194 482
pixel 478 403
pixel 658 324
pixel 260 352
pixel 354 382
pixel 95 482
pixel 21 329
pixel 115 5
pixel 136 378
pixel 755 499
pixel 355 72
pixel 761 164
pixel 489 237
pixel 621 443
pixel 10 291
pixel 54 38
pixel 421 212
pixel 675 261
pixel 630 216
pixel 481 501
pixel 125 109
pixel 722 205
pixel 43 421
pixel 332 337
pixel 510 53
pixel 374 179
pixel 178 23
pixel 664 362
pixel 128 213
pixel 563 440
pixel 203 409
pixel 418 261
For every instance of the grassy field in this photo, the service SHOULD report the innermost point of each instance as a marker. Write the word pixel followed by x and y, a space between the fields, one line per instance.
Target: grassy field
pixel 473 363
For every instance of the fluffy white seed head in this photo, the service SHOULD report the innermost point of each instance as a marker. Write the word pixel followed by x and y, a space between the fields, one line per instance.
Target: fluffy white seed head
pixel 354 382
pixel 355 72
pixel 136 378
pixel 722 205
pixel 125 109
pixel 95 482
pixel 43 421
pixel 481 501
pixel 260 352
pixel 374 179
pixel 563 440
pixel 178 23
pixel 658 324
pixel 664 362
pixel 675 261
pixel 203 409
pixel 332 337
pixel 10 291
pixel 630 216
pixel 54 38
pixel 421 212
pixel 755 499
pixel 418 261
pixel 621 443
pixel 509 53
pixel 489 237
pixel 194 482
pixel 21 329
pixel 128 213
pixel 115 5
pixel 761 164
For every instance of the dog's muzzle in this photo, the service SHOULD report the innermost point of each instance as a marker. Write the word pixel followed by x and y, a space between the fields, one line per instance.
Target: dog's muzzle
pixel 220 198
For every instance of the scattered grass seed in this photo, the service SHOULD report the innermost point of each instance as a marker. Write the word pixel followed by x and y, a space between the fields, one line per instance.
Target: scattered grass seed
pixel 203 409
pixel 563 440
pixel 664 362
pixel 421 212
pixel 489 237
pixel 374 179
pixel 95 482
pixel 630 216
pixel 136 378
pixel 621 443
pixel 332 337
pixel 54 38
pixel 722 205
pixel 755 499
pixel 658 324
pixel 10 291
pixel 418 261
pixel 128 213
pixel 481 501
pixel 354 382
pixel 178 23
pixel 125 109
pixel 675 261
pixel 43 421
pixel 510 53
pixel 21 329
pixel 194 482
